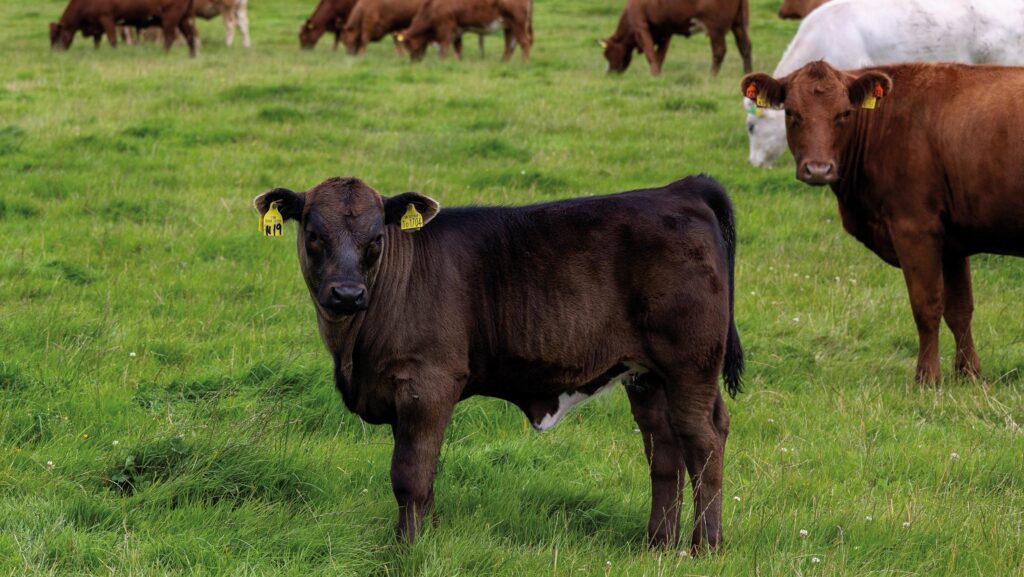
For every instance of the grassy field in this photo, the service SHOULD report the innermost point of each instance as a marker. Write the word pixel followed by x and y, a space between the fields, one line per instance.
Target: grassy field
pixel 167 408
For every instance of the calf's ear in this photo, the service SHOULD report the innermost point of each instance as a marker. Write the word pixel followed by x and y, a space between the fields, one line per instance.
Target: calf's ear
pixel 877 84
pixel 289 203
pixel 764 90
pixel 395 207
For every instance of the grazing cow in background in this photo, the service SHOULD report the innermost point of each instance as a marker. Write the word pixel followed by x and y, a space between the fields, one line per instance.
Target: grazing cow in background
pixel 861 33
pixel 648 26
pixel 90 16
pixel 235 13
pixel 797 9
pixel 932 176
pixel 444 22
pixel 329 16
pixel 372 20
pixel 542 306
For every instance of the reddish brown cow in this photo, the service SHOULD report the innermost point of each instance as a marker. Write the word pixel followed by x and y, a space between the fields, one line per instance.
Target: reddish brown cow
pixel 796 9
pixel 444 22
pixel 329 16
pixel 648 26
pixel 372 20
pixel 91 16
pixel 932 176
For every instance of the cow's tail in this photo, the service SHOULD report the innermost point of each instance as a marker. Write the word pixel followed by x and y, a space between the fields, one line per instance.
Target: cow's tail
pixel 717 199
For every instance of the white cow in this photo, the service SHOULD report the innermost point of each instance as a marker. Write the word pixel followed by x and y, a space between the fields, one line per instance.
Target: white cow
pixel 858 33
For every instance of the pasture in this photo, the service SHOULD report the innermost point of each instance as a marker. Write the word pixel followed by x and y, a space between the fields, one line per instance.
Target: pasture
pixel 167 406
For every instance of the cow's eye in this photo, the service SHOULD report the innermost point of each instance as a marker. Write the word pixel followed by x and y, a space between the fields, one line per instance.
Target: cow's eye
pixel 313 240
pixel 843 116
pixel 379 240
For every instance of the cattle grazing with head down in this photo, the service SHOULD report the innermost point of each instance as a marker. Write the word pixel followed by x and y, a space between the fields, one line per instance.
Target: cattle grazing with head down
pixel 861 33
pixel 648 26
pixel 927 163
pixel 542 306
pixel 444 22
pixel 92 16
pixel 372 20
pixel 797 9
pixel 329 16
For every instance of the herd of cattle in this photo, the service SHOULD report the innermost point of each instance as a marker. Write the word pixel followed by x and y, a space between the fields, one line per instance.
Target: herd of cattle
pixel 910 111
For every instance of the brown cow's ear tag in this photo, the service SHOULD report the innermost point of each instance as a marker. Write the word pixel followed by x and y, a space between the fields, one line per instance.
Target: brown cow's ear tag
pixel 758 97
pixel 871 100
pixel 412 219
pixel 271 223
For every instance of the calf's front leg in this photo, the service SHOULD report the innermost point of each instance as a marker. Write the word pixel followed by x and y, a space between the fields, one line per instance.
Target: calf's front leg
pixel 418 432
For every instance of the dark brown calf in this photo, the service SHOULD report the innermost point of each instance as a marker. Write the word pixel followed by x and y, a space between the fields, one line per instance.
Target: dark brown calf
pixel 91 16
pixel 541 306
pixel 796 9
pixel 329 16
pixel 648 26
pixel 927 162
pixel 444 22
pixel 372 20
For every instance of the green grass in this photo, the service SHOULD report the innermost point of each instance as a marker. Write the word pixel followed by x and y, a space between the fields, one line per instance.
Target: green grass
pixel 165 359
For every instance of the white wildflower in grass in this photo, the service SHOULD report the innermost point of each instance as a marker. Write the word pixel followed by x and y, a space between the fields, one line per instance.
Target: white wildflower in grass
pixel 803 533
pixel 906 524
pixel 132 354
pixel 753 293
pixel 49 465
pixel 783 449
pixel 115 443
pixel 815 560
pixel 868 518
pixel 954 456
pixel 737 498
pixel 771 420
pixel 796 319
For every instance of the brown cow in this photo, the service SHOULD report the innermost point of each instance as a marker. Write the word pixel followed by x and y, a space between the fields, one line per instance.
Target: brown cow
pixel 648 26
pixel 329 16
pixel 372 20
pixel 541 306
pixel 91 16
pixel 933 176
pixel 444 22
pixel 797 9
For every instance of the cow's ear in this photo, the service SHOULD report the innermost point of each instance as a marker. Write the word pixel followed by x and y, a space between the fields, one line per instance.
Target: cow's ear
pixel 764 90
pixel 870 84
pixel 289 203
pixel 396 207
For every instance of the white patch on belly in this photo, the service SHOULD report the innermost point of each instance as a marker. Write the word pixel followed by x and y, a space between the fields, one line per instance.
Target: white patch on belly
pixel 566 401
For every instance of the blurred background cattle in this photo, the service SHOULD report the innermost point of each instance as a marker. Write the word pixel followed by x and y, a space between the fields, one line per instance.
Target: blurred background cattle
pixel 97 17
pixel 796 9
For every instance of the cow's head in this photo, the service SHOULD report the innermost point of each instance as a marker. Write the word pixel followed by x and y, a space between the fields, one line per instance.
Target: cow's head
pixel 60 36
pixel 617 52
pixel 819 102
pixel 350 34
pixel 415 43
pixel 343 225
pixel 309 34
pixel 766 129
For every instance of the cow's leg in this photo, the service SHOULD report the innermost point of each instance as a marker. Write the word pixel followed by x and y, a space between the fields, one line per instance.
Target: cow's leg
pixel 920 257
pixel 739 32
pixel 242 10
pixel 337 40
pixel 418 432
pixel 229 27
pixel 718 49
pixel 663 51
pixel 958 310
pixel 457 45
pixel 665 457
pixel 646 42
pixel 522 37
pixel 480 41
pixel 188 28
pixel 509 45
pixel 110 28
pixel 97 40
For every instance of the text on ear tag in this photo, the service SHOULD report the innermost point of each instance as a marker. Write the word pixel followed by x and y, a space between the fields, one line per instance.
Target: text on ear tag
pixel 869 102
pixel 271 223
pixel 412 219
pixel 762 100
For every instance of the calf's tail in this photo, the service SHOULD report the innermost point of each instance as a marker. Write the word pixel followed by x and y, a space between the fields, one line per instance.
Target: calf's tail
pixel 718 200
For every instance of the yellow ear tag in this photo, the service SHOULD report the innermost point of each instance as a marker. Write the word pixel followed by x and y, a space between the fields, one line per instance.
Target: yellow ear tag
pixel 762 100
pixel 412 219
pixel 869 102
pixel 271 223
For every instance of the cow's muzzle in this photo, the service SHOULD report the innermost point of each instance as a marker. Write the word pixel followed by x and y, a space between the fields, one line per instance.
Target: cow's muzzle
pixel 345 298
pixel 817 173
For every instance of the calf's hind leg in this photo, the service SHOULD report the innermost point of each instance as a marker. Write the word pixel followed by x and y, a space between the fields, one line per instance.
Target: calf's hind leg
pixel 664 455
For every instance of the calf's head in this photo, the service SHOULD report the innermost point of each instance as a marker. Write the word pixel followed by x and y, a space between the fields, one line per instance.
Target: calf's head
pixel 343 226
pixel 819 102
